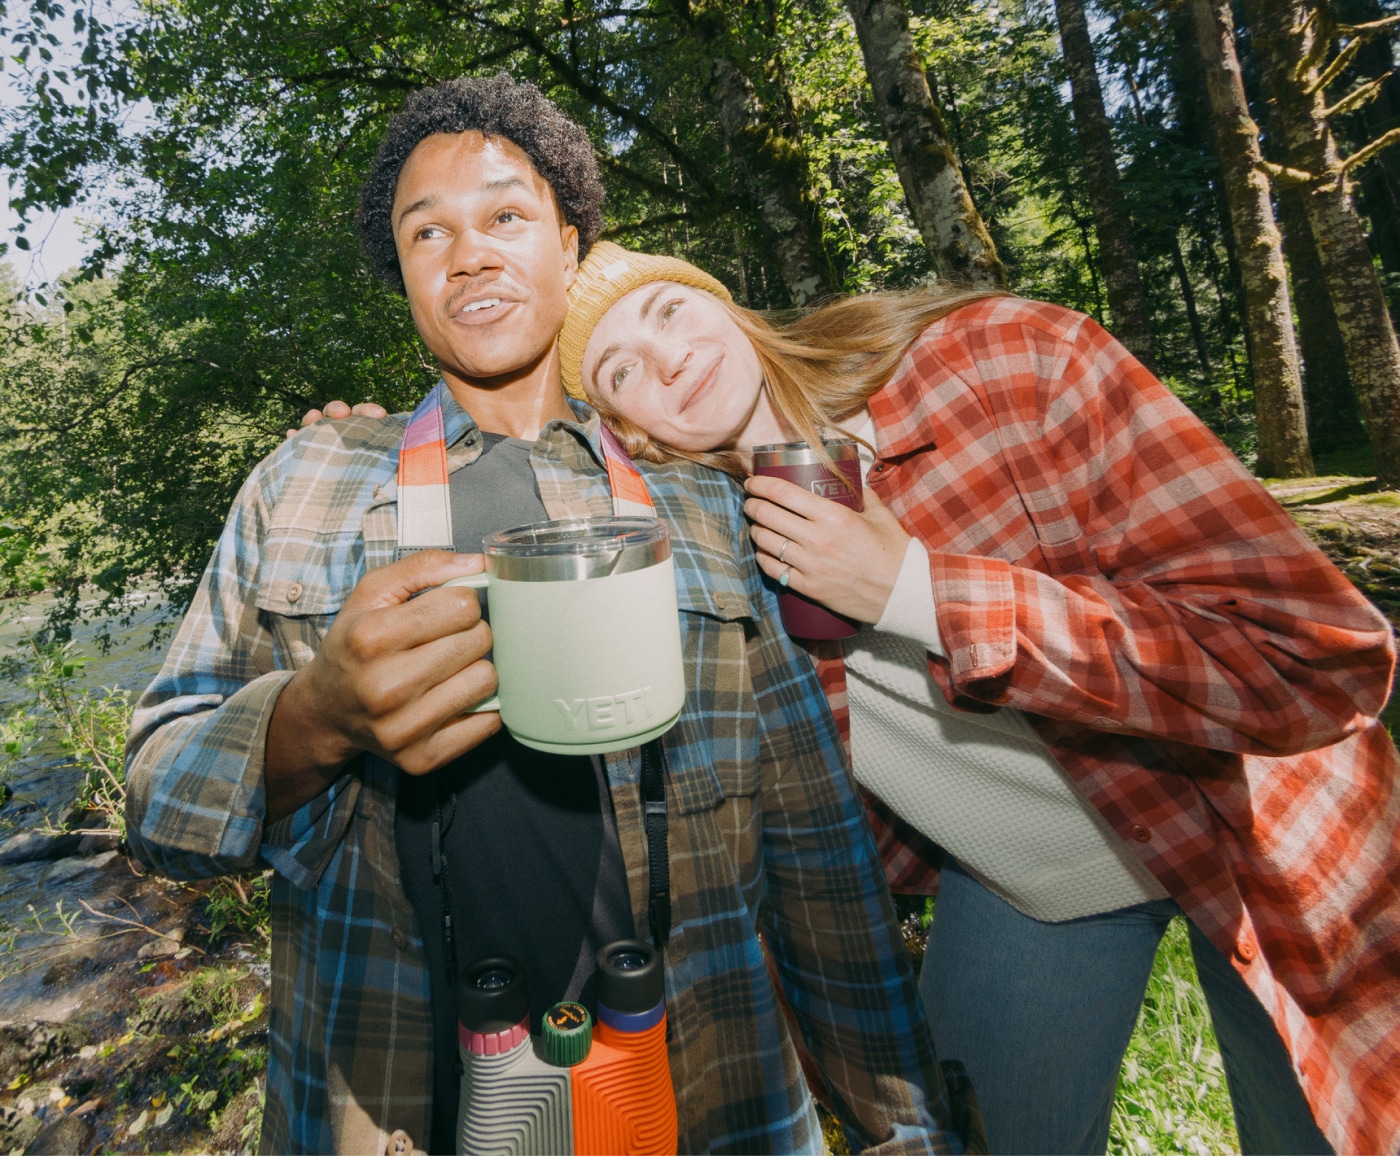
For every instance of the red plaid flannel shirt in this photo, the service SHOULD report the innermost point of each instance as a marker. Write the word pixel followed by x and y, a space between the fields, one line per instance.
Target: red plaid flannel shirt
pixel 1202 672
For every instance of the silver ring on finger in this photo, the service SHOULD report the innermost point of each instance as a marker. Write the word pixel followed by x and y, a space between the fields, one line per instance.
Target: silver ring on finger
pixel 786 543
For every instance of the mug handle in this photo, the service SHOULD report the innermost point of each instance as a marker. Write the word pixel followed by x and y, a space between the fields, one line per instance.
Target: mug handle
pixel 477 582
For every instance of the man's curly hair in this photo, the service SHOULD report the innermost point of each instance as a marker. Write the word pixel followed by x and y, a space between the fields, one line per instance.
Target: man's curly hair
pixel 496 106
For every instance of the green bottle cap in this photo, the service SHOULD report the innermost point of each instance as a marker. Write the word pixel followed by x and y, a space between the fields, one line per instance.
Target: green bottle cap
pixel 568 1034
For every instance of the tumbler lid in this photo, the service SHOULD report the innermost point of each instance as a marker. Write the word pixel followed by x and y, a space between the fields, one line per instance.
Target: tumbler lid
pixel 803 453
pixel 492 996
pixel 631 978
pixel 572 549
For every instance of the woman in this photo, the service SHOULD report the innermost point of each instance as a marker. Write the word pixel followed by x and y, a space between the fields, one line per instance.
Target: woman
pixel 1101 669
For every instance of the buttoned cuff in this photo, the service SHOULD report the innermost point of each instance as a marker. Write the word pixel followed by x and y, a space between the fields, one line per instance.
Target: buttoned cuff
pixel 195 798
pixel 911 611
pixel 976 605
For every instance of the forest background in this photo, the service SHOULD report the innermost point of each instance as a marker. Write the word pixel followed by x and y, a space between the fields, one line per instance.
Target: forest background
pixel 1214 182
pixel 1211 183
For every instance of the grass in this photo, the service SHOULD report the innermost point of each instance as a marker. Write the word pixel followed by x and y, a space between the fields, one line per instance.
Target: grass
pixel 1171 1088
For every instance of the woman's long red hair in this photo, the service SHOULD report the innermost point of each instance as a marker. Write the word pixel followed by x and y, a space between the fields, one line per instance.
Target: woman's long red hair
pixel 819 367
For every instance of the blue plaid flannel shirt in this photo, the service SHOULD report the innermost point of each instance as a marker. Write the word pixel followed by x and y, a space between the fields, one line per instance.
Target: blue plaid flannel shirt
pixel 768 842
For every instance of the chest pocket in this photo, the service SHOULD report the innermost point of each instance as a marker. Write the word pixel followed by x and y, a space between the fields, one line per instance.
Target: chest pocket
pixel 304 577
pixel 712 753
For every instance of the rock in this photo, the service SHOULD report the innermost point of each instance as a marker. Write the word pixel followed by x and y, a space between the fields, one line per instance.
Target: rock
pixel 19 1135
pixel 27 1047
pixel 82 817
pixel 65 1136
pixel 166 945
pixel 33 846
pixel 66 968
pixel 97 844
pixel 21 813
pixel 138 1125
pixel 71 868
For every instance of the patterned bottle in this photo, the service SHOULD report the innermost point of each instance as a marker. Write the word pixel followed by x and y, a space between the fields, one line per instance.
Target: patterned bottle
pixel 512 1102
pixel 623 1101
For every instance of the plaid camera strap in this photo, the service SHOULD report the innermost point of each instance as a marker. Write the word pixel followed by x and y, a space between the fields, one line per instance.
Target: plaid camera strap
pixel 425 508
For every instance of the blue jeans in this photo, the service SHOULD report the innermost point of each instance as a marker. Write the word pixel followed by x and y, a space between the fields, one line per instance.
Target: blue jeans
pixel 1041 1014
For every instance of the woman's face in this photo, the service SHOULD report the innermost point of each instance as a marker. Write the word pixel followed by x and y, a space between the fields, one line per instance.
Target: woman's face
pixel 671 360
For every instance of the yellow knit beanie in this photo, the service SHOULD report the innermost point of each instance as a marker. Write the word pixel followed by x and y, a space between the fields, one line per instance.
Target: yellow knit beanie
pixel 609 273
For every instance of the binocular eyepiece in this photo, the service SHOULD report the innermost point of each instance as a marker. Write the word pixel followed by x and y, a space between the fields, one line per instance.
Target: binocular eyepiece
pixel 631 980
pixel 493 995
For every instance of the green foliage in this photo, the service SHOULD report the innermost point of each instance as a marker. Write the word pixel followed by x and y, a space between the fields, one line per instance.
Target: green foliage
pixel 89 727
pixel 213 994
pixel 21 570
pixel 217 1069
pixel 240 906
pixel 233 138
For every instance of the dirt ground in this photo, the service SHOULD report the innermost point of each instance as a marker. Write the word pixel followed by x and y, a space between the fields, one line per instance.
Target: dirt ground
pixel 1359 528
pixel 1357 525
pixel 135 1027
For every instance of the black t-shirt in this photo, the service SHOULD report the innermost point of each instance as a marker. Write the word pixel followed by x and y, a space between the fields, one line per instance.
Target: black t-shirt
pixel 530 863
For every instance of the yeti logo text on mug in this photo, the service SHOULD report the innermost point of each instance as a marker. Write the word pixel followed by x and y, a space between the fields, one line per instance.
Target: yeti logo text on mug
pixel 829 488
pixel 607 710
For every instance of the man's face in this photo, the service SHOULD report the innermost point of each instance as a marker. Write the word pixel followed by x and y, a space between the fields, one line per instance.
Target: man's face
pixel 486 261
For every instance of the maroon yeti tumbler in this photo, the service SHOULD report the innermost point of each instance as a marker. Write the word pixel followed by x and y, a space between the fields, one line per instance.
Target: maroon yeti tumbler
pixel 799 463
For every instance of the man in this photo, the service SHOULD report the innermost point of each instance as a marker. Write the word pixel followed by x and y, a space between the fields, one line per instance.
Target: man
pixel 312 715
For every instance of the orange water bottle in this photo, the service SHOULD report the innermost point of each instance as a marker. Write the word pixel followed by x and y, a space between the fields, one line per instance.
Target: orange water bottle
pixel 623 1101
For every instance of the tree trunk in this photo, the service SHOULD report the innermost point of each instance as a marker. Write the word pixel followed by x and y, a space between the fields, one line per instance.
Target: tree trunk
pixel 1198 124
pixel 1333 420
pixel 773 167
pixel 1188 299
pixel 1278 386
pixel 957 240
pixel 1283 41
pixel 1117 251
pixel 1379 180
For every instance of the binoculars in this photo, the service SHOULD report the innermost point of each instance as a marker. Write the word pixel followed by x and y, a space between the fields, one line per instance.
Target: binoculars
pixel 579 1087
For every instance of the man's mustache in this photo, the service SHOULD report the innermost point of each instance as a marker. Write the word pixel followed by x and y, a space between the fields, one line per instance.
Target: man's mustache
pixel 498 287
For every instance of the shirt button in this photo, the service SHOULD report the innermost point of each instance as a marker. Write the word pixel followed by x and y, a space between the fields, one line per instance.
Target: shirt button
pixel 1142 834
pixel 400 940
pixel 293 591
pixel 400 1144
pixel 1246 949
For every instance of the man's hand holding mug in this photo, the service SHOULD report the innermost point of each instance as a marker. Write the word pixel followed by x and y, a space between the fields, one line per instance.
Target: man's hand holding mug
pixel 395 675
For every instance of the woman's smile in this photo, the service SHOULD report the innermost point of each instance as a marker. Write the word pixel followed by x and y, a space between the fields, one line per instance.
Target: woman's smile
pixel 701 388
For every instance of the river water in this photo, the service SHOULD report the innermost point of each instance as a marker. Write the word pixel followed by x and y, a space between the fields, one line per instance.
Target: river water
pixel 129 662
pixel 43 785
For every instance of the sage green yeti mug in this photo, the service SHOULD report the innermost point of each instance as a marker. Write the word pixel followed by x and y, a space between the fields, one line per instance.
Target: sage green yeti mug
pixel 586 633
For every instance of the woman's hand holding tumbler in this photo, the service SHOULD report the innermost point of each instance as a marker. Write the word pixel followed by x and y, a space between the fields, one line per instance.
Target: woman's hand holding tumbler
pixel 845 560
